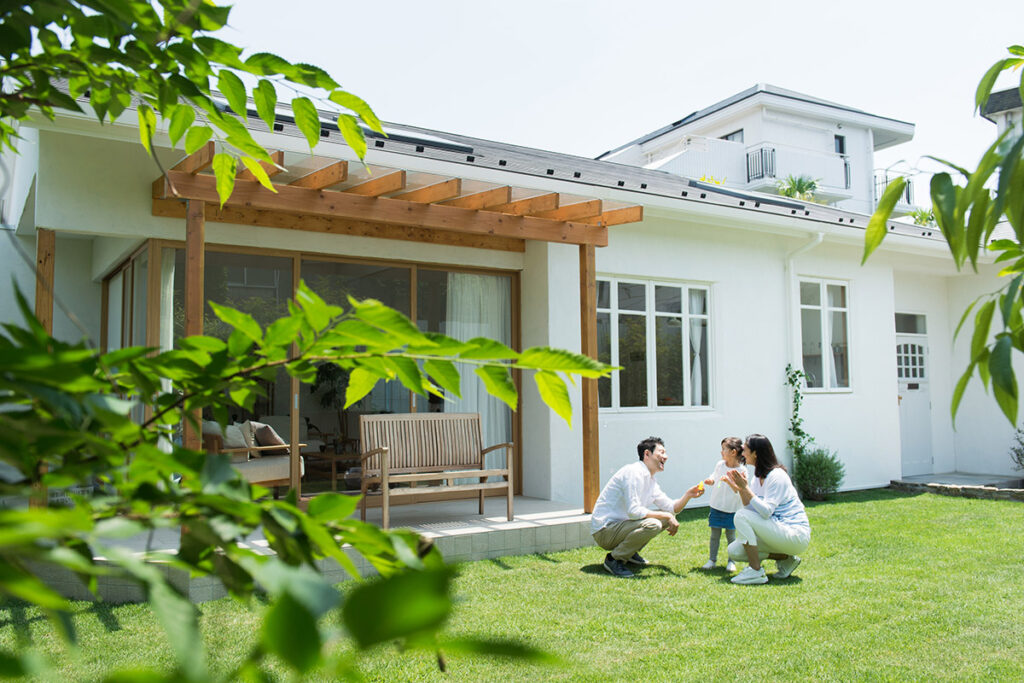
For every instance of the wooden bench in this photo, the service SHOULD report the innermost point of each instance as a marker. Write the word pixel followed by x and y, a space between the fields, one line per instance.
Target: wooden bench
pixel 427 448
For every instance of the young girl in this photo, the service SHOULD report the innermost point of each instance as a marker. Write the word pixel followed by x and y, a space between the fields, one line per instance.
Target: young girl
pixel 724 501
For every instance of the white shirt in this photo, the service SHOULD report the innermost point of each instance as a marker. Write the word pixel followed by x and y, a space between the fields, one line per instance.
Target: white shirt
pixel 629 494
pixel 777 498
pixel 722 497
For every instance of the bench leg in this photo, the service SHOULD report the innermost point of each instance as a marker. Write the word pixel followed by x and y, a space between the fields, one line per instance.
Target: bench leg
pixel 362 502
pixel 385 508
pixel 481 502
pixel 510 497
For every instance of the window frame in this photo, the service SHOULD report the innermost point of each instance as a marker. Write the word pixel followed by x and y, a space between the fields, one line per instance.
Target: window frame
pixel 825 332
pixel 651 316
pixel 735 136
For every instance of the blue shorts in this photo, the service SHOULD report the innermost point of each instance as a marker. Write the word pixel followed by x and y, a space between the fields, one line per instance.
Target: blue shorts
pixel 722 520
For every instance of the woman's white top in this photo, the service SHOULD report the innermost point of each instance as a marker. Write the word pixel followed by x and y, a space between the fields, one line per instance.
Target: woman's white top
pixel 778 499
pixel 722 497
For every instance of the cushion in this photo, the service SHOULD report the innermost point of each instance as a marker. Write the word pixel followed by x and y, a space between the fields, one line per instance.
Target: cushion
pixel 212 427
pixel 234 438
pixel 266 436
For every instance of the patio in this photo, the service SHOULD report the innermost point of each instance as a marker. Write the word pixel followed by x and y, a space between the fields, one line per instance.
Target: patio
pixel 460 533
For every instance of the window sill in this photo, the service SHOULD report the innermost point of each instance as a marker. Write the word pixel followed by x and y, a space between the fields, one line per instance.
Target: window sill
pixel 660 409
pixel 843 390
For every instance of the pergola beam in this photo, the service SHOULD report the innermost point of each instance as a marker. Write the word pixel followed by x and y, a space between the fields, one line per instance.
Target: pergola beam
pixel 573 212
pixel 437 192
pixel 270 169
pixel 530 205
pixel 324 177
pixel 198 161
pixel 392 182
pixel 488 199
pixel 627 214
pixel 295 200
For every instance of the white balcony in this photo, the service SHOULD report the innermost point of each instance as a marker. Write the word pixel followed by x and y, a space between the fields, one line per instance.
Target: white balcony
pixel 905 204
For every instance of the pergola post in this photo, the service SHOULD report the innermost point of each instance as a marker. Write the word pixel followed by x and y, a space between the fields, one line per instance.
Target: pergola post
pixel 588 346
pixel 195 238
pixel 46 241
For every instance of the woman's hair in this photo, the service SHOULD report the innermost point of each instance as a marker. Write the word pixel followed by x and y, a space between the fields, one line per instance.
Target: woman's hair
pixel 766 460
pixel 733 443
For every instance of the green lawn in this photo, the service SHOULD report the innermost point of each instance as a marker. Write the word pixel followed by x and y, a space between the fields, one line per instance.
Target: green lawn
pixel 893 586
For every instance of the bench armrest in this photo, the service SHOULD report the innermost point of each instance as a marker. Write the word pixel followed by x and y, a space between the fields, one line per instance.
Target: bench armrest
pixel 508 446
pixel 376 451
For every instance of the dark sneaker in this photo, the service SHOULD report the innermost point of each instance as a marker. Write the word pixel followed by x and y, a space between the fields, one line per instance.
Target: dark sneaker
pixel 616 567
pixel 638 560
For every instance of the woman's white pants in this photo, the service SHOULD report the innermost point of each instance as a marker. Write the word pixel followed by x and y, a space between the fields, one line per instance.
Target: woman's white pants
pixel 769 535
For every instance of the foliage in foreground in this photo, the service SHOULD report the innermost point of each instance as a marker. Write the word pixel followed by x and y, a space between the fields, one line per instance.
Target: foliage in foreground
pixel 160 57
pixel 968 211
pixel 65 412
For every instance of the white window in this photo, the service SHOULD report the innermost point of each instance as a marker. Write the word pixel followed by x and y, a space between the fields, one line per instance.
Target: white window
pixel 659 333
pixel 824 333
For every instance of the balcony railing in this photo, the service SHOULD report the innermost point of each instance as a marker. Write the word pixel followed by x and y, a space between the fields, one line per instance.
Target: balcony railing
pixel 761 163
pixel 882 181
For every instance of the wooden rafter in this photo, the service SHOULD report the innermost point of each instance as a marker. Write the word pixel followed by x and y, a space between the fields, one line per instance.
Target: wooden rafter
pixel 487 199
pixel 530 205
pixel 383 210
pixel 574 212
pixel 270 169
pixel 433 193
pixel 173 208
pixel 392 182
pixel 323 177
pixel 197 161
pixel 627 214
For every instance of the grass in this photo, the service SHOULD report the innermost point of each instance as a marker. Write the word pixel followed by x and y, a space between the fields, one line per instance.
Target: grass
pixel 893 587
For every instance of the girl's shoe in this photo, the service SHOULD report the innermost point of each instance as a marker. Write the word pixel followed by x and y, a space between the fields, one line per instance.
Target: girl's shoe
pixel 731 567
pixel 710 564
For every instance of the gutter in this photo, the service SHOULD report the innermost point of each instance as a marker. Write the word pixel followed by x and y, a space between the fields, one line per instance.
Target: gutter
pixel 792 287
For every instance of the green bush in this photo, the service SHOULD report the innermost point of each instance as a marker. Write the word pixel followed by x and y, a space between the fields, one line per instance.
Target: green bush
pixel 817 473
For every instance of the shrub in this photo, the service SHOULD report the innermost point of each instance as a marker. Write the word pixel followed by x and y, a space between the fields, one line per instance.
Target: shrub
pixel 1017 448
pixel 817 473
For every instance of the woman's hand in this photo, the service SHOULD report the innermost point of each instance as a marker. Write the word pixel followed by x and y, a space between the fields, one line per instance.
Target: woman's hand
pixel 736 479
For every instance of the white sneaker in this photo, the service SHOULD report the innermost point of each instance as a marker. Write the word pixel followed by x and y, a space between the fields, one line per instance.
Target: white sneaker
pixel 751 576
pixel 784 568
pixel 731 567
pixel 710 564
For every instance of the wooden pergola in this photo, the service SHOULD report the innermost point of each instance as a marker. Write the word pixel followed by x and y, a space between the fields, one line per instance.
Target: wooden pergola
pixel 336 197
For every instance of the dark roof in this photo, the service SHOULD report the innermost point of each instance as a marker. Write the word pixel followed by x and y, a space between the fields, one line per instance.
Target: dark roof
pixel 739 97
pixel 1001 101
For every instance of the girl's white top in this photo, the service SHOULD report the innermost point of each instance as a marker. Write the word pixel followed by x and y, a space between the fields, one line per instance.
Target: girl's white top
pixel 722 497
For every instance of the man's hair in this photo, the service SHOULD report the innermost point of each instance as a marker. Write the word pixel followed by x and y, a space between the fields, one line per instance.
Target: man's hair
pixel 648 444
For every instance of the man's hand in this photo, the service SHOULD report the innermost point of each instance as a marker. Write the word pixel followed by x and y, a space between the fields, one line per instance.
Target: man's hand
pixel 673 525
pixel 696 491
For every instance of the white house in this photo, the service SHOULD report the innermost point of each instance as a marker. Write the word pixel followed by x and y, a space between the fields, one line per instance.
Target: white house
pixel 703 302
pixel 1004 109
pixel 757 137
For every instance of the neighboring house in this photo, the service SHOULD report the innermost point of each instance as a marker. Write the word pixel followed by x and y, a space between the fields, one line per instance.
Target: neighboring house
pixel 703 293
pixel 760 136
pixel 1004 109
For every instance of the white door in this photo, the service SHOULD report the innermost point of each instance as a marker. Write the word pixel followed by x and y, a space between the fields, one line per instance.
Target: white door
pixel 915 404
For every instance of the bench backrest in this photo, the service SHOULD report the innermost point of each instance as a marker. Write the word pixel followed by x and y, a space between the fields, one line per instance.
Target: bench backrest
pixel 422 442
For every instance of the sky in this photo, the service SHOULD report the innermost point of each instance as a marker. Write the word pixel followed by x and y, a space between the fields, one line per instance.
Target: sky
pixel 582 77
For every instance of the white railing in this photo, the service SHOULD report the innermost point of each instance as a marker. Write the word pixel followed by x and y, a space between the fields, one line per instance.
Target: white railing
pixel 695 156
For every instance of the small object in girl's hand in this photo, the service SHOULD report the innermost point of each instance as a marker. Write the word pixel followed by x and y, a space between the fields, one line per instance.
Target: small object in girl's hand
pixel 700 487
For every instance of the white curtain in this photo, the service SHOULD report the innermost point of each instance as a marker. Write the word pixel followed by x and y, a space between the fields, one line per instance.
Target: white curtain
pixel 480 306
pixel 166 335
pixel 829 357
pixel 697 349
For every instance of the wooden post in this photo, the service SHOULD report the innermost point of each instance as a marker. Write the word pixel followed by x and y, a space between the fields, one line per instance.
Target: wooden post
pixel 294 452
pixel 588 346
pixel 195 238
pixel 46 241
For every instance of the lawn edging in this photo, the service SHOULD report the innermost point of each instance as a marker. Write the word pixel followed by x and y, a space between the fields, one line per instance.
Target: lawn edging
pixel 962 491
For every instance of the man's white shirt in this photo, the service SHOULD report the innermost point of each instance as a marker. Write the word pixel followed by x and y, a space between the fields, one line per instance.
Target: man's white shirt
pixel 630 494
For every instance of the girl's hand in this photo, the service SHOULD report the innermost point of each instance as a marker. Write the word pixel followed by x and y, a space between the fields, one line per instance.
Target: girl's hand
pixel 710 481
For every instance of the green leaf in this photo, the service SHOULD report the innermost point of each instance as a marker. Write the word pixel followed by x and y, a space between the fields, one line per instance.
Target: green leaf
pixel 197 137
pixel 407 604
pixel 233 89
pixel 265 96
pixel 332 507
pixel 282 332
pixel 243 322
pixel 353 134
pixel 389 320
pixel 307 119
pixel 147 127
pixel 982 324
pixel 1008 302
pixel 985 84
pixel 499 384
pixel 963 318
pixel 181 120
pixel 291 633
pixel 261 174
pixel 1004 382
pixel 360 383
pixel 445 374
pixel 547 358
pixel 555 394
pixel 224 168
pixel 878 224
pixel 482 348
pixel 356 104
pixel 408 373
pixel 944 204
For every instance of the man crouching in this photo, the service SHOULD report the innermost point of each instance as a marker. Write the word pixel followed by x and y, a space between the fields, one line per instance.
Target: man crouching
pixel 623 521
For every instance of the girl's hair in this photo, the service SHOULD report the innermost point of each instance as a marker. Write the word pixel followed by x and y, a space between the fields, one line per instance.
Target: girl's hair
pixel 733 443
pixel 766 460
